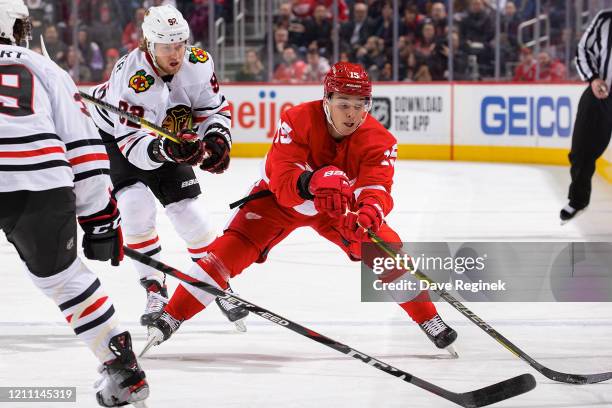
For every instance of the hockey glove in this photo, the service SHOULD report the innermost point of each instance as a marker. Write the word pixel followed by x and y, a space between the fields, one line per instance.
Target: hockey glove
pixel 217 146
pixel 190 151
pixel 329 188
pixel 103 239
pixel 369 216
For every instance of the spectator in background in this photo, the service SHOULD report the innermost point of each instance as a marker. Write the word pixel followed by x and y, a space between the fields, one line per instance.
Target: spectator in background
pixel 510 21
pixel 291 70
pixel 293 25
pixel 385 24
pixel 477 30
pixel 306 8
pixel 319 28
pixel 132 32
pixel 439 18
pixel 75 66
pixel 91 53
pixel 426 42
pixel 372 54
pixel 415 69
pixel 344 56
pixel 386 73
pixel 112 56
pixel 196 14
pixel 410 25
pixel 281 41
pixel 105 29
pixel 316 67
pixel 252 70
pixel 438 60
pixel 525 70
pixel 355 33
pixel 55 46
pixel 550 70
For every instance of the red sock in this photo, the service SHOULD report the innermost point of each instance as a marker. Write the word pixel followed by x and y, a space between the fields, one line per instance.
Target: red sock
pixel 420 309
pixel 183 305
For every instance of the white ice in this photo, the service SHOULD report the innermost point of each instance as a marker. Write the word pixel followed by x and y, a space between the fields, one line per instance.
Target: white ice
pixel 309 281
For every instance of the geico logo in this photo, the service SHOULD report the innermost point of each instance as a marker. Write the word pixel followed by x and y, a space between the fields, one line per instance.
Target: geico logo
pixel 526 116
pixel 261 115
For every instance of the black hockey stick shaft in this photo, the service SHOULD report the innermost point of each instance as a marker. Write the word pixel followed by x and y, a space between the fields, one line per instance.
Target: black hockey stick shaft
pixel 477 398
pixel 473 317
pixel 131 117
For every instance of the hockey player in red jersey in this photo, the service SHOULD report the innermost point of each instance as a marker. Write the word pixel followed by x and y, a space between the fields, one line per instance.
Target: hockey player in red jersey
pixel 331 168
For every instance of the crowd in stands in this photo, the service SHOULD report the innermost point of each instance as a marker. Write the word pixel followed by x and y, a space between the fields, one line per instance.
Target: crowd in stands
pixel 89 45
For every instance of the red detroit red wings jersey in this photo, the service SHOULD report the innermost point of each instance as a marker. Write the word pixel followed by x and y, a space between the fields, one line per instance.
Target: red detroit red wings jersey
pixel 302 142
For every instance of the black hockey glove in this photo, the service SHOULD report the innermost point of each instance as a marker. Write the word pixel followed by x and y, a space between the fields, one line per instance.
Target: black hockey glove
pixel 103 239
pixel 217 146
pixel 189 151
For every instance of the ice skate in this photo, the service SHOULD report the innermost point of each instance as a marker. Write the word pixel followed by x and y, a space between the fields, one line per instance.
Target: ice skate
pixel 123 381
pixel 160 330
pixel 569 213
pixel 157 297
pixel 234 314
pixel 440 334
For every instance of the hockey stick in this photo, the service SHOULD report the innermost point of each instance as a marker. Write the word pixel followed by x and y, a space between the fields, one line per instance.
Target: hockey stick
pixel 131 117
pixel 547 372
pixel 477 398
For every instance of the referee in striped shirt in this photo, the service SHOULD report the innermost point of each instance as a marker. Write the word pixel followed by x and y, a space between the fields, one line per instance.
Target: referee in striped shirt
pixel 593 125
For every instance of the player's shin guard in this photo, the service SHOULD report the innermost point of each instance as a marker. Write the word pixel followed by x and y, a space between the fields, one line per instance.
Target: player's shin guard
pixel 79 295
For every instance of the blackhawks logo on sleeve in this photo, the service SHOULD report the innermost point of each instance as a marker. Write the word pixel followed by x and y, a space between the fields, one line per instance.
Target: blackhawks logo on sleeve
pixel 140 81
pixel 197 55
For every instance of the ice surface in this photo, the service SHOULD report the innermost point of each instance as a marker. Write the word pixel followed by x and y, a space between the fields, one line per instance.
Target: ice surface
pixel 308 280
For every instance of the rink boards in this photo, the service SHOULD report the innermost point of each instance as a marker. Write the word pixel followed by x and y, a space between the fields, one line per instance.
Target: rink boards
pixel 483 121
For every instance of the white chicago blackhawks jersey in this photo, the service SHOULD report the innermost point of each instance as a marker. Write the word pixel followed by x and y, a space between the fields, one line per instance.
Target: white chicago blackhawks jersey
pixel 190 98
pixel 47 138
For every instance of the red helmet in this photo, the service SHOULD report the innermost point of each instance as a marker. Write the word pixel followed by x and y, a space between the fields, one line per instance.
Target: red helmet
pixel 348 78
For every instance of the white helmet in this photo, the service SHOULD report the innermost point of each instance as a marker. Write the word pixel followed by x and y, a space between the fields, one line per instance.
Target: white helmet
pixel 163 25
pixel 11 11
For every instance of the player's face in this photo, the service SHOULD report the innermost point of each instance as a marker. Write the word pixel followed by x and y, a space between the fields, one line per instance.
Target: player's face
pixel 169 57
pixel 347 112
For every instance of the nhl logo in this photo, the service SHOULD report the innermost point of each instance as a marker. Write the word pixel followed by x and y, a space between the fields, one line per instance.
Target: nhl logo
pixel 381 110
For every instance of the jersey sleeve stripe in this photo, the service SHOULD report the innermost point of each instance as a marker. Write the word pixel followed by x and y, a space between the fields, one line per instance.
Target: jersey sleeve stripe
pixel 88 158
pixel 90 173
pixel 211 108
pixel 84 142
pixel 31 153
pixel 29 138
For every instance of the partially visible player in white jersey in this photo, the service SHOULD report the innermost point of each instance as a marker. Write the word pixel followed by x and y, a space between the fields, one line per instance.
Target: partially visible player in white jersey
pixel 174 85
pixel 53 168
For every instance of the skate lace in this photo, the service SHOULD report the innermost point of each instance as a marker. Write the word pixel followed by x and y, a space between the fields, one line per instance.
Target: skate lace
pixel 434 326
pixel 172 322
pixel 155 302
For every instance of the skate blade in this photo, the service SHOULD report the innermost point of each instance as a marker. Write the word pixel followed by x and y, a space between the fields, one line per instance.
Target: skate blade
pixel 451 350
pixel 240 325
pixel 148 346
pixel 140 404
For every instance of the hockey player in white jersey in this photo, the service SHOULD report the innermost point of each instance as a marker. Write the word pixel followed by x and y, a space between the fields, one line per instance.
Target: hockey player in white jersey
pixel 53 168
pixel 173 85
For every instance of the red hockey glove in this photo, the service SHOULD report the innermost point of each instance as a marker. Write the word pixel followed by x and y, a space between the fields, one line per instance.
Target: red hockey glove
pixel 330 187
pixel 189 151
pixel 369 216
pixel 103 239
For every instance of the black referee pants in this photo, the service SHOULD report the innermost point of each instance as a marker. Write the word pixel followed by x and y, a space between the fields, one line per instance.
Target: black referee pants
pixel 590 138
